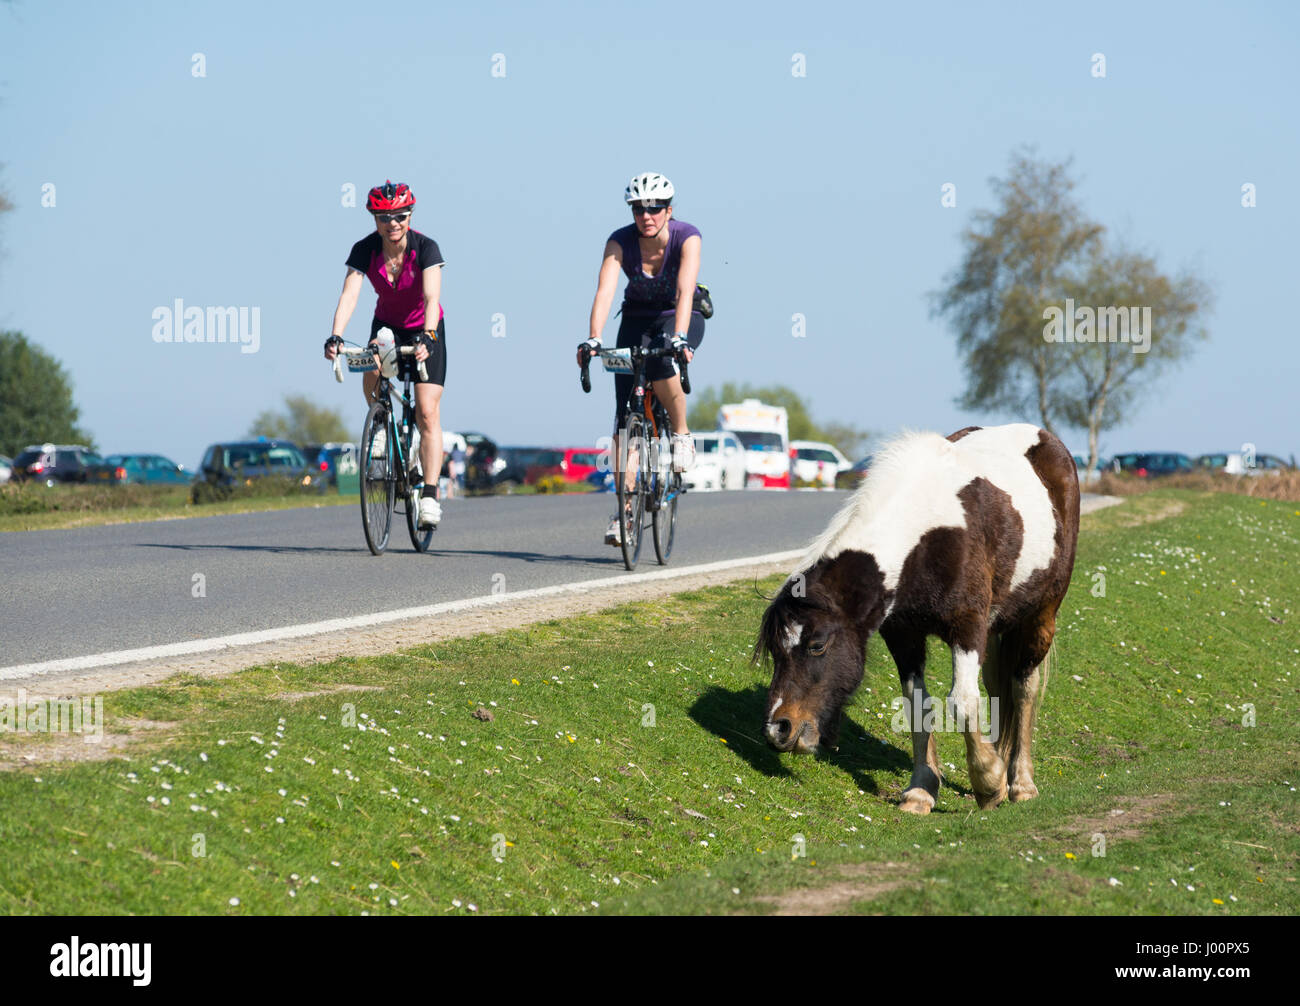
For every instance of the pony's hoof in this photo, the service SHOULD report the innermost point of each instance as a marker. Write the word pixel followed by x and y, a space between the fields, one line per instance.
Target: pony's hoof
pixel 1022 791
pixel 987 801
pixel 916 801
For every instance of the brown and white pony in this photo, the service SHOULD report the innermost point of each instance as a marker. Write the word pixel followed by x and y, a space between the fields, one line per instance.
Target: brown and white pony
pixel 970 538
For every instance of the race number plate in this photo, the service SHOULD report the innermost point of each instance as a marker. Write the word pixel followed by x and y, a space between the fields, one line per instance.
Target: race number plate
pixel 617 361
pixel 361 362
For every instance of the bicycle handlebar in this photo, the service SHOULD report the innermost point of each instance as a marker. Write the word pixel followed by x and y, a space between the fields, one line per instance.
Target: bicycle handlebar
pixel 404 350
pixel 638 353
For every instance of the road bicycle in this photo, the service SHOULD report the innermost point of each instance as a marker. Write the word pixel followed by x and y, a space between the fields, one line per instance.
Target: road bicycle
pixel 390 462
pixel 644 449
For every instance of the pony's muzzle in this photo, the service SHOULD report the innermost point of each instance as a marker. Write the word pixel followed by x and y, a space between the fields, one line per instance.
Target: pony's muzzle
pixel 783 735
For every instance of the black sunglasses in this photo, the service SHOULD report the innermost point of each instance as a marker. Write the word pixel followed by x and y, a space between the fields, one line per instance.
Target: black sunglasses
pixel 652 210
pixel 388 218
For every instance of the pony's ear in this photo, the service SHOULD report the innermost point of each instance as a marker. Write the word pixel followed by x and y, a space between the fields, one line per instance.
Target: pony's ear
pixel 855 584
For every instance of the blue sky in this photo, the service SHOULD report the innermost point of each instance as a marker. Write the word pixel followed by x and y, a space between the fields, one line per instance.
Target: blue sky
pixel 817 195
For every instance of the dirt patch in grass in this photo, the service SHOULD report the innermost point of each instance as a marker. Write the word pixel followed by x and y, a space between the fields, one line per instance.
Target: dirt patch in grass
pixel 855 883
pixel 298 696
pixel 46 749
pixel 1125 821
pixel 1150 511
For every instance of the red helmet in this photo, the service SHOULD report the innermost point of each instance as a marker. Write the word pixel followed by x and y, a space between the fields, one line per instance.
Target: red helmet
pixel 389 196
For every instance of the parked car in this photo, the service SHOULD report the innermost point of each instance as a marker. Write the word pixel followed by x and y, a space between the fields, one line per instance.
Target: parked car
pixel 1271 464
pixel 719 462
pixel 579 462
pixel 332 459
pixel 525 465
pixel 811 461
pixel 6 469
pixel 243 462
pixel 603 481
pixel 1235 463
pixel 1152 465
pixel 51 463
pixel 141 469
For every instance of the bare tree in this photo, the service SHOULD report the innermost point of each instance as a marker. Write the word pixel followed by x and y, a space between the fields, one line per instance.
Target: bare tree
pixel 1052 321
pixel 1016 260
pixel 1143 323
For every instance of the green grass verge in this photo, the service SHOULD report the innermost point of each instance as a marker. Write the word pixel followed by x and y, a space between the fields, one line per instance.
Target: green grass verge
pixel 33 507
pixel 400 800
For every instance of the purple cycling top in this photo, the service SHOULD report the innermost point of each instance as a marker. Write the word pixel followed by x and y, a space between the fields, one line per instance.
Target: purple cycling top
pixel 400 304
pixel 652 294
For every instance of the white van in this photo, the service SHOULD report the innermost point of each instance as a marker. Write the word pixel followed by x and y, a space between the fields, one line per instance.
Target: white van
pixel 765 432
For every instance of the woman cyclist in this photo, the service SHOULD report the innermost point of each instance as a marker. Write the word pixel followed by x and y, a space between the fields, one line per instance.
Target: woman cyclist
pixel 661 258
pixel 405 268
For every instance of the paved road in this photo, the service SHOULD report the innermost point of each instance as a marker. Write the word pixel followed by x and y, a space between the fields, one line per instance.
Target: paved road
pixel 89 590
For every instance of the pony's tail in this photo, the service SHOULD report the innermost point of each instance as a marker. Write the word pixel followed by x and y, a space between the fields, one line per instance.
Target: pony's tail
pixel 1003 655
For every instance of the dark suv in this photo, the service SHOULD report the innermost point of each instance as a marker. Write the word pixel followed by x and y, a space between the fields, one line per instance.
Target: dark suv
pixel 50 463
pixel 243 462
pixel 1146 466
pixel 332 459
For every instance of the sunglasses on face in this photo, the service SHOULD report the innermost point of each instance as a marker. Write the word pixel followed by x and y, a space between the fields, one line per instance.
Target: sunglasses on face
pixel 388 218
pixel 647 210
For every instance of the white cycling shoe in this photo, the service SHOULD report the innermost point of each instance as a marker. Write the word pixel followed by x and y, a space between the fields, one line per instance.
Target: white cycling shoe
pixel 683 452
pixel 430 512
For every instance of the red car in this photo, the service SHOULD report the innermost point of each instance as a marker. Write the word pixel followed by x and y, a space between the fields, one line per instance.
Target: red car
pixel 579 462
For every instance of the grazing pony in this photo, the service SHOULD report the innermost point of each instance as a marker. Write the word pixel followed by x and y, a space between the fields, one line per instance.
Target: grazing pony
pixel 970 538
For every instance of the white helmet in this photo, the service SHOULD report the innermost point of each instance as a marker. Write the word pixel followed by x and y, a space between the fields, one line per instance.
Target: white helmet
pixel 386 346
pixel 650 188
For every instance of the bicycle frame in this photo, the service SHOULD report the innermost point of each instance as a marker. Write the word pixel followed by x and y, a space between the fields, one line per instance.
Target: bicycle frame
pixel 639 453
pixel 398 465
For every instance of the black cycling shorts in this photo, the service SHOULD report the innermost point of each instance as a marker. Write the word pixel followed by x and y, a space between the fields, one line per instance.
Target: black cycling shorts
pixel 435 366
pixel 650 331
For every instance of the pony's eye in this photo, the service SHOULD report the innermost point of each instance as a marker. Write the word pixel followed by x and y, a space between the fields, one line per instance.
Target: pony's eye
pixel 817 648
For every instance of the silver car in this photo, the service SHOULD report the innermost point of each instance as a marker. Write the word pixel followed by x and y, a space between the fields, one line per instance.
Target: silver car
pixel 719 462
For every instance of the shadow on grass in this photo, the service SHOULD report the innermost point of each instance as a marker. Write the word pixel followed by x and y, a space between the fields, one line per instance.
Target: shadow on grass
pixel 737 716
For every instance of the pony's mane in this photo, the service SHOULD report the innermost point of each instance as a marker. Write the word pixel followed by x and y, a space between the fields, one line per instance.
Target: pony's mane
pixel 892 468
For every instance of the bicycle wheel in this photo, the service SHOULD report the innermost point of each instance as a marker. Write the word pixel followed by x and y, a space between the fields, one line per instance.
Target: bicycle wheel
pixel 668 486
pixel 377 488
pixel 420 536
pixel 632 442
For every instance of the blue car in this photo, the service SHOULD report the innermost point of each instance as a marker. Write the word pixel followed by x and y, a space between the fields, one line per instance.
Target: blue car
pixel 140 469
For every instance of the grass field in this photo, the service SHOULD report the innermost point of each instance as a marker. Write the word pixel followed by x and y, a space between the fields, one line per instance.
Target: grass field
pixel 611 763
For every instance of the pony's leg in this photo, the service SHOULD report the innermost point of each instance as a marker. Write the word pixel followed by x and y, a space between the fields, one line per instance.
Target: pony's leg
pixel 988 772
pixel 1034 644
pixel 1020 768
pixel 908 652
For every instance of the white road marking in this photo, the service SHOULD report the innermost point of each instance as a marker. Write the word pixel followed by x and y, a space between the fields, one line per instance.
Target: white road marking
pixel 109 659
